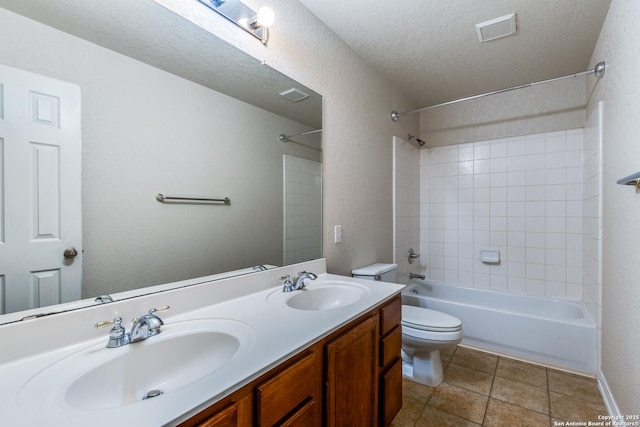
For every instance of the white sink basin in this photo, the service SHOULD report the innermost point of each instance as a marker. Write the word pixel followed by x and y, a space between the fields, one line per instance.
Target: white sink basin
pixel 98 377
pixel 322 295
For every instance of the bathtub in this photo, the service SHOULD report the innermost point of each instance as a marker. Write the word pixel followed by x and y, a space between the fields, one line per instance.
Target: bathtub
pixel 557 333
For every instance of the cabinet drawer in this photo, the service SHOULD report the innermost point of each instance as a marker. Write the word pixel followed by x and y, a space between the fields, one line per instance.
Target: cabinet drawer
pixel 227 417
pixel 390 315
pixel 280 395
pixel 390 346
pixel 391 393
pixel 304 417
pixel 234 411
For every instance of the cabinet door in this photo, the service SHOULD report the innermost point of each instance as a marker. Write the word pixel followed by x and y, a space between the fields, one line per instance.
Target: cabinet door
pixel 352 377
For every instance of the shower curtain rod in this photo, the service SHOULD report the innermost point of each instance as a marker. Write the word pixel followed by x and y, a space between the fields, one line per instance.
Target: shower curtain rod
pixel 598 71
pixel 286 138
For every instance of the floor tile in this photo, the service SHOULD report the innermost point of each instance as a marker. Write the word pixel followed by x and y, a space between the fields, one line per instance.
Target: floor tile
pixel 574 386
pixel 446 355
pixel 458 401
pixel 431 417
pixel 416 390
pixel 469 379
pixel 482 389
pixel 500 414
pixel 473 359
pixel 522 372
pixel 521 394
pixel 570 409
pixel 410 412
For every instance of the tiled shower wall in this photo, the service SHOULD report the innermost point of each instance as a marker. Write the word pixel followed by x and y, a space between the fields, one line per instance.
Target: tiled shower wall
pixel 522 196
pixel 302 180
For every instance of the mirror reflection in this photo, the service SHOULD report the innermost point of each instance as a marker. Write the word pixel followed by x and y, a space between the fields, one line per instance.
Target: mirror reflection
pixel 185 116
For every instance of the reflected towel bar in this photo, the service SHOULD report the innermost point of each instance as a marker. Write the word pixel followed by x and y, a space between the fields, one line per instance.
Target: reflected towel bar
pixel 162 198
pixel 631 180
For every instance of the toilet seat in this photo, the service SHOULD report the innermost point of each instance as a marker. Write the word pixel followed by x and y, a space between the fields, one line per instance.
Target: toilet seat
pixel 424 319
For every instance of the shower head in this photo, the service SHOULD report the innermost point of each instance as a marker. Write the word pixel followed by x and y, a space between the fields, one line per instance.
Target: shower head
pixel 418 140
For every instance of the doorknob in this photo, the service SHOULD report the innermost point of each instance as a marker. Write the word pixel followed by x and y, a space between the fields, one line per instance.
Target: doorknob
pixel 70 253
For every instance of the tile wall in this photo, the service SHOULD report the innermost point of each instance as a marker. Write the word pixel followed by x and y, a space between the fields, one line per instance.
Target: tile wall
pixel 522 196
pixel 302 209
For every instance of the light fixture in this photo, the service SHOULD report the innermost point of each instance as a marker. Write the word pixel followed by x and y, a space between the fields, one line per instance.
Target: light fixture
pixel 264 18
pixel 256 24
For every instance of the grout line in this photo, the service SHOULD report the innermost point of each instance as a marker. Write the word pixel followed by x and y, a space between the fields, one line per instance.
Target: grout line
pixel 493 380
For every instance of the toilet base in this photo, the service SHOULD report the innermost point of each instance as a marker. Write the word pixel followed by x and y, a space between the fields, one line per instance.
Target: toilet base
pixel 424 370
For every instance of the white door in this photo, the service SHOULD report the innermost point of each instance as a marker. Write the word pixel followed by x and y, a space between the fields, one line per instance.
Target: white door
pixel 40 209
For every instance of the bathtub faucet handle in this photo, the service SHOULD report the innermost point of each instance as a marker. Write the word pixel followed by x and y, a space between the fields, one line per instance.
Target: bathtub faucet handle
pixel 412 255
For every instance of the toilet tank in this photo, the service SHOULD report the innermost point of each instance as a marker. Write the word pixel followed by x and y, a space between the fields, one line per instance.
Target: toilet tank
pixel 378 271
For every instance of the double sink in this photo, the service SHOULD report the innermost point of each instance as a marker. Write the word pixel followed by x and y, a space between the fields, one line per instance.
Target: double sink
pixel 184 353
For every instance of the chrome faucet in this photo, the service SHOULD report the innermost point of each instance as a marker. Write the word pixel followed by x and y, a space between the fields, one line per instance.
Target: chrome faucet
pixel 118 336
pixel 416 276
pixel 296 283
pixel 287 283
pixel 147 325
pixel 143 328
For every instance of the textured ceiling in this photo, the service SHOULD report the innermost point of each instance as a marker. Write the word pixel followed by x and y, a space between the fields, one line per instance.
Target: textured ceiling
pixel 431 51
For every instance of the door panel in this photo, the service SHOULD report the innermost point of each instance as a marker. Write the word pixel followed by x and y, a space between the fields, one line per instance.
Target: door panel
pixel 40 207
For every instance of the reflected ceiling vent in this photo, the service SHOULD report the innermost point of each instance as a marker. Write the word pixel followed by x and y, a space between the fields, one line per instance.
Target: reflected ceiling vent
pixel 496 28
pixel 294 94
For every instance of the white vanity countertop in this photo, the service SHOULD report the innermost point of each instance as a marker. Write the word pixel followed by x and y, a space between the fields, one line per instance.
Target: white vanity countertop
pixel 280 332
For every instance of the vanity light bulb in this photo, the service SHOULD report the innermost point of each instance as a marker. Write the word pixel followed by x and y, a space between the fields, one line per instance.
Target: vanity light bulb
pixel 266 17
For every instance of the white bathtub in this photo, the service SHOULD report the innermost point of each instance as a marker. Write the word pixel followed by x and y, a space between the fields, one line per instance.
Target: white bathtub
pixel 553 332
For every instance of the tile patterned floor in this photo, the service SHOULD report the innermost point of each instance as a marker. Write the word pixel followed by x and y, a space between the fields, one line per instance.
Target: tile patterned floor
pixel 481 389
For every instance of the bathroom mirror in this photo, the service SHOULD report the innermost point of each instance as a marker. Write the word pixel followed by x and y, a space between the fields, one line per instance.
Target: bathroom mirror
pixel 169 108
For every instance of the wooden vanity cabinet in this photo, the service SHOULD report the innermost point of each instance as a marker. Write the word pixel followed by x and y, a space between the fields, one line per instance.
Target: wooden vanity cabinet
pixel 292 396
pixel 288 395
pixel 232 411
pixel 352 377
pixel 390 361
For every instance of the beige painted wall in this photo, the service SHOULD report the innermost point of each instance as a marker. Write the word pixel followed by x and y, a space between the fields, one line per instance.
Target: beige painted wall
pixel 357 129
pixel 620 91
pixel 544 108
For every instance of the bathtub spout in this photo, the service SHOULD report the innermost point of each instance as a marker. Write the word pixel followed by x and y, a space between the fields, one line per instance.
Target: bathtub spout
pixel 416 276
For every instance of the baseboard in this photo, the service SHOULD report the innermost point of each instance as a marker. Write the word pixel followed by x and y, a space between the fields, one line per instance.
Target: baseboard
pixel 607 396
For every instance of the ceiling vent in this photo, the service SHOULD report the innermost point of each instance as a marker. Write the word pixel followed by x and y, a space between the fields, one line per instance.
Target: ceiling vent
pixel 294 94
pixel 496 28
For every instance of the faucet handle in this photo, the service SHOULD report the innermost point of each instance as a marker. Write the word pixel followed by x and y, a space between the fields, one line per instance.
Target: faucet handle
pixel 287 283
pixel 163 308
pixel 117 335
pixel 151 311
pixel 116 321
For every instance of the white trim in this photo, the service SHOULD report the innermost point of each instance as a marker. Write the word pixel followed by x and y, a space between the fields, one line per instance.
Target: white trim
pixel 607 396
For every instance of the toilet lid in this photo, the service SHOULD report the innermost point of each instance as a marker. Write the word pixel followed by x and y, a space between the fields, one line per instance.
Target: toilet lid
pixel 429 320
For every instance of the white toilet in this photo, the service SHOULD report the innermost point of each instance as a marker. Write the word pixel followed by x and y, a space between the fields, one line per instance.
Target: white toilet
pixel 424 332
